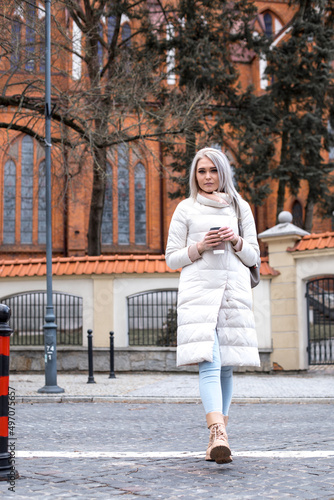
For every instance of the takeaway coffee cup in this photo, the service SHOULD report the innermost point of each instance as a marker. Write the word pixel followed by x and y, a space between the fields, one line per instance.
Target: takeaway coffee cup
pixel 221 247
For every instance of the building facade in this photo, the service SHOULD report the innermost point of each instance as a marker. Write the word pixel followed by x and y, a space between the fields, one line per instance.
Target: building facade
pixel 137 208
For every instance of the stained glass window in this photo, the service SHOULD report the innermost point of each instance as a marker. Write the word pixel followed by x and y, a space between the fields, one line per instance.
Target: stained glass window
pixel 123 194
pixel 16 42
pixel 24 196
pixel 27 165
pixel 126 34
pixel 41 204
pixel 268 24
pixel 129 193
pixel 30 35
pixel 99 47
pixel 9 202
pixel 331 137
pixel 111 28
pixel 140 205
pixel 297 214
pixel 42 46
pixel 107 222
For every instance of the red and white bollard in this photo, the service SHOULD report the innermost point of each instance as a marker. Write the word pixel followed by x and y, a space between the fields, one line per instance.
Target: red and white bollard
pixel 6 468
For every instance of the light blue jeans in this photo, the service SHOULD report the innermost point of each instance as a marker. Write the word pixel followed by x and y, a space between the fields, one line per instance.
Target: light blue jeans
pixel 215 383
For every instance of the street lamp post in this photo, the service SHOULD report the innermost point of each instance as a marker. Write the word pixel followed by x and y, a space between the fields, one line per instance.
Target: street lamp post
pixel 50 327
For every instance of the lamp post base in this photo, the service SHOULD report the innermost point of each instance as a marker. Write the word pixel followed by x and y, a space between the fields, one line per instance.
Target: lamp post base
pixel 7 471
pixel 8 476
pixel 51 389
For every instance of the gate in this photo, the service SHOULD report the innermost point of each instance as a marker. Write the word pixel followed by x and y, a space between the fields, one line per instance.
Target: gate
pixel 152 318
pixel 28 317
pixel 320 321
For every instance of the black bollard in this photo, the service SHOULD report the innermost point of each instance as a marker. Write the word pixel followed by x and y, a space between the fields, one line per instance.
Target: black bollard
pixel 7 470
pixel 112 373
pixel 90 357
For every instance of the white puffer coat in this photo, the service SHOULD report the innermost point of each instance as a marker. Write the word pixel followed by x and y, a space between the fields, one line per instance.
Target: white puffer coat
pixel 214 291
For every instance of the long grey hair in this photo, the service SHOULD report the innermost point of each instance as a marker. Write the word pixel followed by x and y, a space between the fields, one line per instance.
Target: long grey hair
pixel 223 166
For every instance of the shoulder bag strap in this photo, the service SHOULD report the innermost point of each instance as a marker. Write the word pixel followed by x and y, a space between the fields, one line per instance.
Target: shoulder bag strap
pixel 241 233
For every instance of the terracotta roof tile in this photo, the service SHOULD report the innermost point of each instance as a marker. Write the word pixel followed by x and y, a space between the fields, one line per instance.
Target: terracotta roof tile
pixel 266 269
pixel 62 266
pixel 314 241
pixel 109 264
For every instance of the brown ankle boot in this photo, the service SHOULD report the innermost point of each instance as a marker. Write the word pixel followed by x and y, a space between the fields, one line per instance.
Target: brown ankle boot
pixel 207 455
pixel 218 449
pixel 225 460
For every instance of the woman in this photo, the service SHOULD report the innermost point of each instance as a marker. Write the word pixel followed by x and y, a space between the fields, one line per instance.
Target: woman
pixel 215 319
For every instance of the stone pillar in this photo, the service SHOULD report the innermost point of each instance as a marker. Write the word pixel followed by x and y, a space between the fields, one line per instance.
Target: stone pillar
pixel 284 308
pixel 103 310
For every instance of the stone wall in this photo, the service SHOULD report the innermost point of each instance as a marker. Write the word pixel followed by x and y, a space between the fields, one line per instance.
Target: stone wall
pixel 162 359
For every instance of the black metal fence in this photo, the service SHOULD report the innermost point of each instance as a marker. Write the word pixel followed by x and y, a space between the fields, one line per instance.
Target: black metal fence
pixel 28 317
pixel 152 318
pixel 320 321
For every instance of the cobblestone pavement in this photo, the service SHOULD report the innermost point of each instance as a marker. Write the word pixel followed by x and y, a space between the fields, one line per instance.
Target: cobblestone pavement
pixel 294 445
pixel 313 385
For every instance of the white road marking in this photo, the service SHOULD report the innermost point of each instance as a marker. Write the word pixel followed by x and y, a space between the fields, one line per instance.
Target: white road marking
pixel 173 454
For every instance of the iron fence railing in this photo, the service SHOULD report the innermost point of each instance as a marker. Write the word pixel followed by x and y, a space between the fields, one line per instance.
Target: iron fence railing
pixel 28 317
pixel 320 320
pixel 152 318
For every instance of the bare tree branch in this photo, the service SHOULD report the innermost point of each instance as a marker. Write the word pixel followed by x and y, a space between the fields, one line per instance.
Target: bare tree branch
pixel 32 133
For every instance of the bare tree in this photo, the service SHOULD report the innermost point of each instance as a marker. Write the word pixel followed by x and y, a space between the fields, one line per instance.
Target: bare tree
pixel 107 88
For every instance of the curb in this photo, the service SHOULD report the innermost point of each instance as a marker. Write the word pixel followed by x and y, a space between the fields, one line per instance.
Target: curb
pixel 159 400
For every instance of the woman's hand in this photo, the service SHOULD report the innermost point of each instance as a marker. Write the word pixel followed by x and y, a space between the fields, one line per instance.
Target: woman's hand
pixel 210 241
pixel 227 234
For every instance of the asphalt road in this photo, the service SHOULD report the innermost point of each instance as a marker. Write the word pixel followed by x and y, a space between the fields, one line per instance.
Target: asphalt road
pixel 131 451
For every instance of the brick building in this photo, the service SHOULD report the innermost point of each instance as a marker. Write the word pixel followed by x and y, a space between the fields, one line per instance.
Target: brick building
pixel 137 207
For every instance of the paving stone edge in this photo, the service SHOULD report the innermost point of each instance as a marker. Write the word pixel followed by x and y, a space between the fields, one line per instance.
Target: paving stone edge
pixel 153 399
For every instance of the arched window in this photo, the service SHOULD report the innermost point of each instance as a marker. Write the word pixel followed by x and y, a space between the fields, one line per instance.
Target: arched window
pixel 297 214
pixel 124 220
pixel 107 217
pixel 140 205
pixel 9 203
pixel 28 31
pixel 126 34
pixel 27 168
pixel 42 204
pixel 123 194
pixel 23 219
pixel 30 35
pixel 268 24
